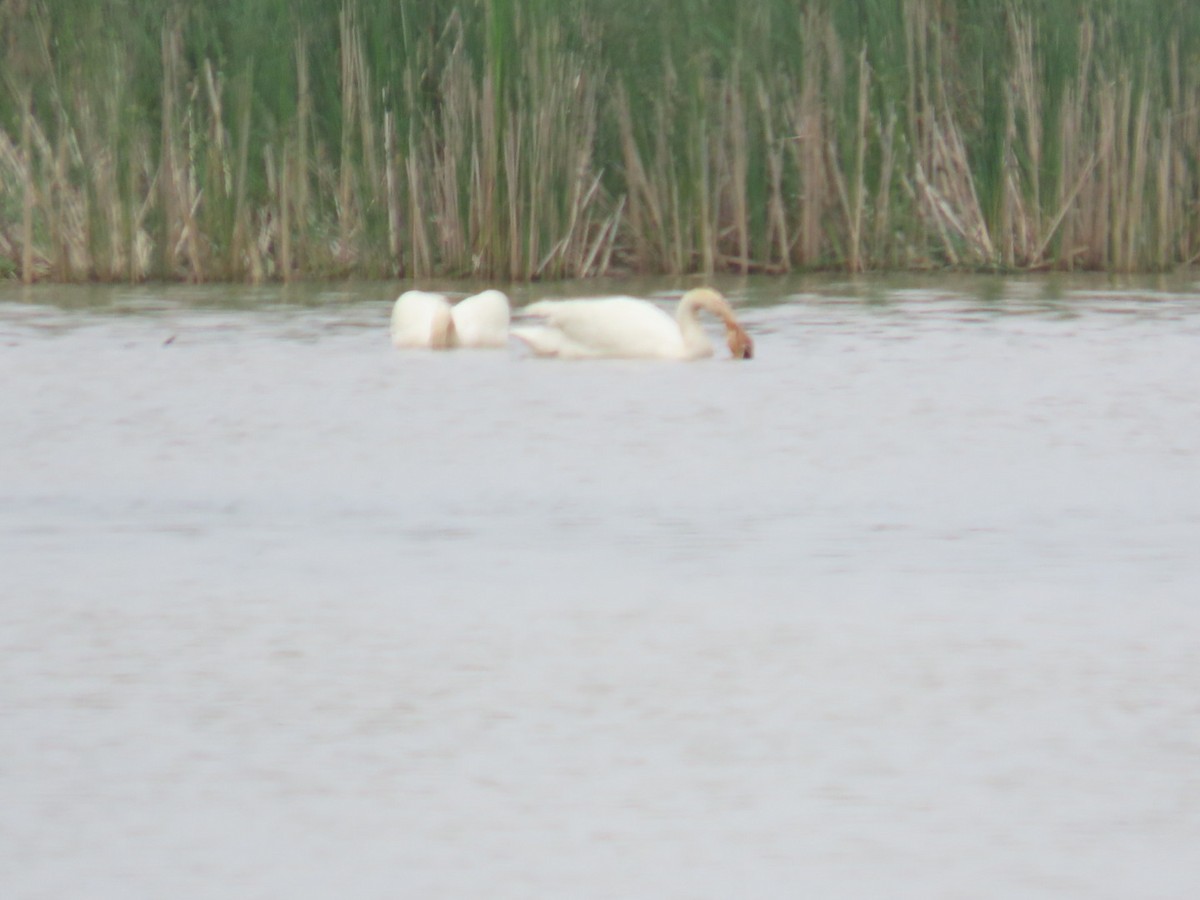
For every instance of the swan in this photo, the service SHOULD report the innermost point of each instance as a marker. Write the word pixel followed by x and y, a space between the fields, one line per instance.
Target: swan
pixel 424 319
pixel 625 327
pixel 481 320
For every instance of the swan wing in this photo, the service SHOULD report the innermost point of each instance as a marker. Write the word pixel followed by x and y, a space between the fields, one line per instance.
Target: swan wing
pixel 416 316
pixel 482 320
pixel 611 326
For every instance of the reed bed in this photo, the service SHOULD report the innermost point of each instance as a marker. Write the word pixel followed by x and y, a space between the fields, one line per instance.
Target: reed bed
pixel 529 140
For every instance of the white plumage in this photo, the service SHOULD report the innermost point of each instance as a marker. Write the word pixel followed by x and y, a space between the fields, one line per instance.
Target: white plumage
pixel 630 328
pixel 482 320
pixel 424 319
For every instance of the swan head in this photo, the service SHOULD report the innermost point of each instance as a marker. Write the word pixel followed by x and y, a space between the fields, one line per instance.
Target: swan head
pixel 740 344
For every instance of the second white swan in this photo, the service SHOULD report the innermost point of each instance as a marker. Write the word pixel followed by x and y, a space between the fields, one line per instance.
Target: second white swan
pixel 424 319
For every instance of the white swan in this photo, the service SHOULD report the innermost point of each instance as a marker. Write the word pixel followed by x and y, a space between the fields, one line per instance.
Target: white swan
pixel 481 320
pixel 625 327
pixel 424 319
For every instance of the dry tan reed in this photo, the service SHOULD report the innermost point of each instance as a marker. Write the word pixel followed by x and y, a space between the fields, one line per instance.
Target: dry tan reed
pixel 552 162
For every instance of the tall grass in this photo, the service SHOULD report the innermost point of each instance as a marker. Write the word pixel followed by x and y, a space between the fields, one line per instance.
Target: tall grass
pixel 275 139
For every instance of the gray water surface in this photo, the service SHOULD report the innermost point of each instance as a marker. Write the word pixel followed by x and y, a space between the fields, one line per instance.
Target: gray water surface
pixel 907 606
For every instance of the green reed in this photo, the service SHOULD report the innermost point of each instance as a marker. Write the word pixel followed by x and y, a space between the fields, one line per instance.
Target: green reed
pixel 275 139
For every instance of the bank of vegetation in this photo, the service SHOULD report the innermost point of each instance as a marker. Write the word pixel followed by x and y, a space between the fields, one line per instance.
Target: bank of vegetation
pixel 279 139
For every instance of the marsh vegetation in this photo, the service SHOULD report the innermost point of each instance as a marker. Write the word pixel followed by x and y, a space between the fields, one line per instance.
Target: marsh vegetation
pixel 277 139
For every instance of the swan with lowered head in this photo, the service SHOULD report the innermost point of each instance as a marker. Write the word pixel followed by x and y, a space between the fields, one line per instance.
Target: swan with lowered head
pixel 423 319
pixel 629 328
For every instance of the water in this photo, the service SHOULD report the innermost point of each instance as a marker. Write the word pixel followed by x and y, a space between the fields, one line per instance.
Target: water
pixel 904 607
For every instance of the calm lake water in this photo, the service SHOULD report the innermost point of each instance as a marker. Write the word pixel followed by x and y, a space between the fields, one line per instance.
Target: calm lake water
pixel 908 606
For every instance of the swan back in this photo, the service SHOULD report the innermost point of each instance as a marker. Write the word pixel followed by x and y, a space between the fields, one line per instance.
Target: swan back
pixel 422 319
pixel 610 326
pixel 482 320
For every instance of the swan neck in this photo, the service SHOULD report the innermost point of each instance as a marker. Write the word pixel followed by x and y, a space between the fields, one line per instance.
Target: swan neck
pixel 695 341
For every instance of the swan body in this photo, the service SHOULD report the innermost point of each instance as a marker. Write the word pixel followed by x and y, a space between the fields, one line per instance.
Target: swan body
pixel 630 328
pixel 481 320
pixel 424 319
